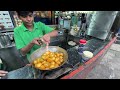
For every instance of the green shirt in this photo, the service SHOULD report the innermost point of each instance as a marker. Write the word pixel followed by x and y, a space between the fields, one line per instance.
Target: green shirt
pixel 23 36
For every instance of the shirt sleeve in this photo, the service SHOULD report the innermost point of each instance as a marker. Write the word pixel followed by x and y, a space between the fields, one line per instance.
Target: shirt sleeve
pixel 46 29
pixel 18 40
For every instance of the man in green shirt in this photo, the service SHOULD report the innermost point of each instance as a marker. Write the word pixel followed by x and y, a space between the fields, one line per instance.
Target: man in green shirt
pixel 27 35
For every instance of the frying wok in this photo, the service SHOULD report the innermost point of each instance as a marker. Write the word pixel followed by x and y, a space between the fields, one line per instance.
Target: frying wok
pixel 36 54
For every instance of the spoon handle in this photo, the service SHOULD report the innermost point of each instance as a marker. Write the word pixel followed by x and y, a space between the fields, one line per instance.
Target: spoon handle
pixel 47 46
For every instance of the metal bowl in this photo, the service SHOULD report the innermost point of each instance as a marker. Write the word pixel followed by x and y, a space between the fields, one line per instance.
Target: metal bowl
pixel 36 54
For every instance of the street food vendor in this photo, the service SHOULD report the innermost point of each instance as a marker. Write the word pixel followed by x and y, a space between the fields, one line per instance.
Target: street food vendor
pixel 27 35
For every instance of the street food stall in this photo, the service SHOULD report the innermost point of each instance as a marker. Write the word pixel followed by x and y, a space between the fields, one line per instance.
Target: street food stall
pixel 98 39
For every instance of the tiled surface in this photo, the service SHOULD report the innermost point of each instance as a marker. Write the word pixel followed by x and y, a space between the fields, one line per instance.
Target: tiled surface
pixel 109 67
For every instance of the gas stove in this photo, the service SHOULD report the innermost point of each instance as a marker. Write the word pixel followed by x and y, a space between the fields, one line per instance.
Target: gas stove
pixel 73 62
pixel 56 73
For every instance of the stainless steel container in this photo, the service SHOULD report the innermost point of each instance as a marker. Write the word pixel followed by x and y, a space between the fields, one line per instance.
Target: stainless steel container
pixel 101 24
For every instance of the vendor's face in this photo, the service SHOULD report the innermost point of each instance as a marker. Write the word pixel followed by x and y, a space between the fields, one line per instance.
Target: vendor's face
pixel 27 20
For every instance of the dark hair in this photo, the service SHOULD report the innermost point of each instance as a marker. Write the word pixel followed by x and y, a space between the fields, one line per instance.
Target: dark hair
pixel 83 14
pixel 23 13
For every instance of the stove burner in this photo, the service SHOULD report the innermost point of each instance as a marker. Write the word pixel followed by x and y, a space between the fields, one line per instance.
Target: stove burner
pixel 59 73
pixel 52 74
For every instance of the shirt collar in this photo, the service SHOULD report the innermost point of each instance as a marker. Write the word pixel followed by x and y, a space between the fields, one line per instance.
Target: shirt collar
pixel 25 29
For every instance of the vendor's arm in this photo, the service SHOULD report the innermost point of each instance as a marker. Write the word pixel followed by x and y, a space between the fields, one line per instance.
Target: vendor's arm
pixel 46 37
pixel 48 32
pixel 53 33
pixel 27 48
pixel 24 49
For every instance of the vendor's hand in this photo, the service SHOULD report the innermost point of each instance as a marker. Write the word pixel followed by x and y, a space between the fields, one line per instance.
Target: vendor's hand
pixel 36 41
pixel 46 38
pixel 28 64
pixel 3 73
